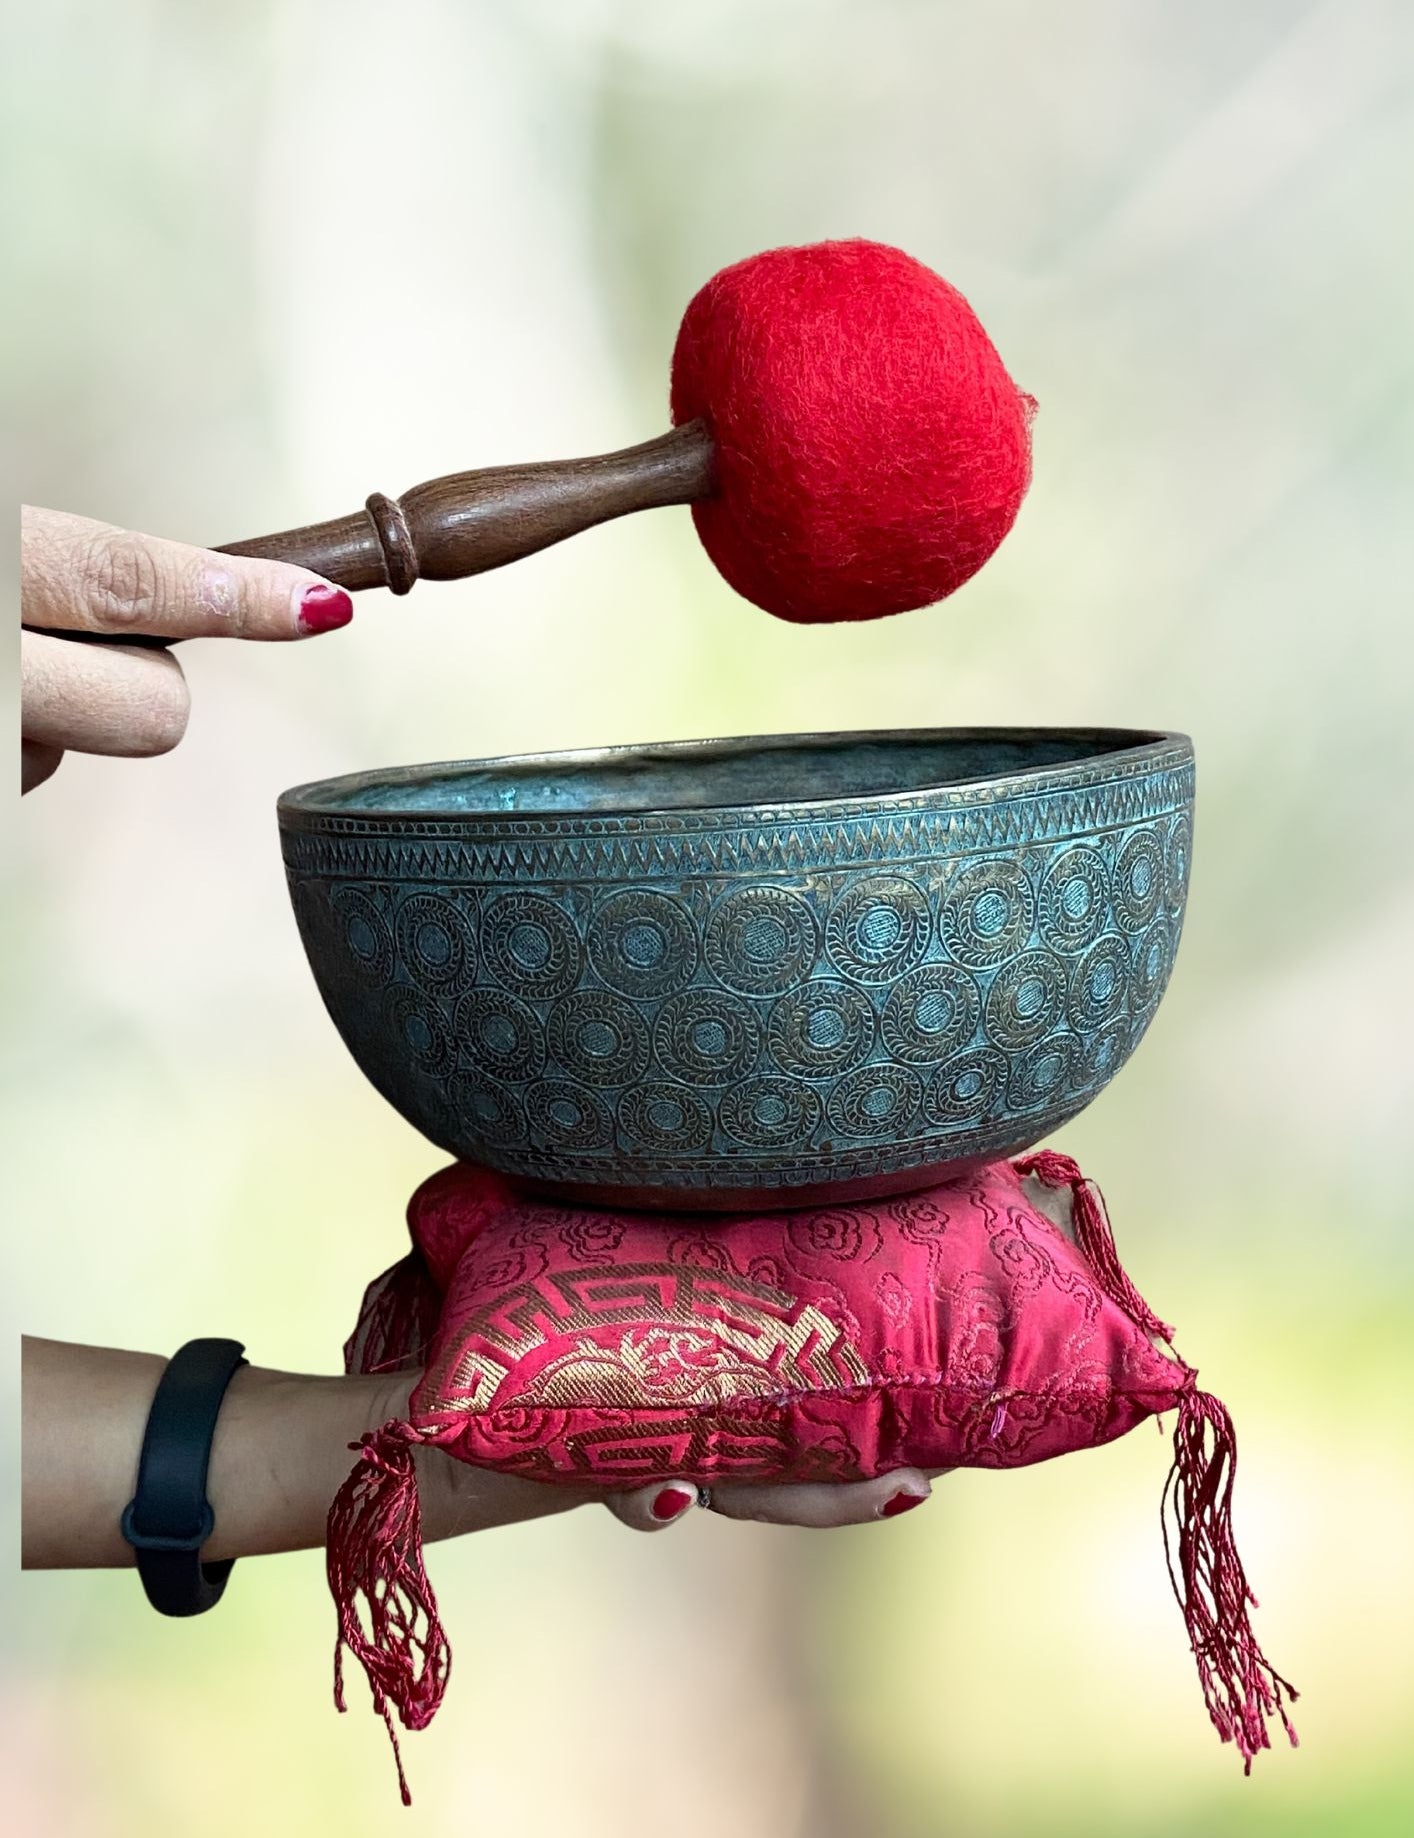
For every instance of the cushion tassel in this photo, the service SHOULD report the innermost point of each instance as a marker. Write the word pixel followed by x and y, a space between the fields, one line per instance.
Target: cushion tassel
pixel 374 1556
pixel 1093 1237
pixel 397 1320
pixel 1241 1689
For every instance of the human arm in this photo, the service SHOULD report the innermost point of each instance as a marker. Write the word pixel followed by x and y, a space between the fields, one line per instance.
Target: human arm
pixel 282 1450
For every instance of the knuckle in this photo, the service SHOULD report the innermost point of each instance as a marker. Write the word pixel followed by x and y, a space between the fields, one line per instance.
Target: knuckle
pixel 122 583
pixel 162 719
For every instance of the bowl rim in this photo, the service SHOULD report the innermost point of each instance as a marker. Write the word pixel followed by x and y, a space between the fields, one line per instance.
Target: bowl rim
pixel 1119 752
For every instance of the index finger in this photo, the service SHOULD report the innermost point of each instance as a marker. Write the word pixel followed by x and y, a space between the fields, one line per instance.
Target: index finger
pixel 80 576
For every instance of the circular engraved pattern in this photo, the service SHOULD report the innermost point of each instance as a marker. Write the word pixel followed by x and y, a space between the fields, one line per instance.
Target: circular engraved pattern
pixel 420 1027
pixel 878 929
pixel 1099 984
pixel 1104 1055
pixel 1074 896
pixel 531 882
pixel 643 944
pixel 1026 1000
pixel 1042 1077
pixel 1153 959
pixel 964 1091
pixel 769 1113
pixel 706 1038
pixel 822 1030
pixel 875 1101
pixel 599 1038
pixel 365 933
pixel 931 1014
pixel 1139 881
pixel 500 1035
pixel 433 942
pixel 531 946
pixel 486 1112
pixel 1177 856
pixel 988 914
pixel 567 1116
pixel 435 1115
pixel 761 941
pixel 666 1119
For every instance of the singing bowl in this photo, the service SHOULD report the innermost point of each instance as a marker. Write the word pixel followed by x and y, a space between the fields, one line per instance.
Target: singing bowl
pixel 758 972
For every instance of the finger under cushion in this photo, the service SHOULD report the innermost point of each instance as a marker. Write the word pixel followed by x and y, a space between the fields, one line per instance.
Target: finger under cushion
pixel 655 1508
pixel 822 1506
pixel 79 575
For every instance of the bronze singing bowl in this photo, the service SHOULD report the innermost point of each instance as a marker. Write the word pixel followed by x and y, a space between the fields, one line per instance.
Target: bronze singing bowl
pixel 737 973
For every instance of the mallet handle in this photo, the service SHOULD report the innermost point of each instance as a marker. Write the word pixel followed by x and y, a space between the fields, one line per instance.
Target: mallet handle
pixel 471 521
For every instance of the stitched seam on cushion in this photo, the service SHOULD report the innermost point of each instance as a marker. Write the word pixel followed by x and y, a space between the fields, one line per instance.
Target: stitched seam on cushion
pixel 774 1400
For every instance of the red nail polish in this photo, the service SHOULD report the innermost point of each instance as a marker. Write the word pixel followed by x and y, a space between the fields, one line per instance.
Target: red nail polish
pixel 670 1502
pixel 901 1503
pixel 324 609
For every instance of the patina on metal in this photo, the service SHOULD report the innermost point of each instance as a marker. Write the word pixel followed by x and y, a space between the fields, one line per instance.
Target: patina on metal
pixel 728 973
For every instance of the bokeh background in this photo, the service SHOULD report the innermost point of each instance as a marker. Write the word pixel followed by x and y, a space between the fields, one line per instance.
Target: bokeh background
pixel 269 257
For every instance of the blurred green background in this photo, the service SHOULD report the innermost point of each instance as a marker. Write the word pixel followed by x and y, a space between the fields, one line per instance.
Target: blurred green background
pixel 270 257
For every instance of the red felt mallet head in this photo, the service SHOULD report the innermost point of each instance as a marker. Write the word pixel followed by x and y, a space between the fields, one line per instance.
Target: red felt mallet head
pixel 871 450
pixel 849 441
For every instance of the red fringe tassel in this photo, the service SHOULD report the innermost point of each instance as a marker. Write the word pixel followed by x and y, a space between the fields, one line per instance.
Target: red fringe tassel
pixel 1093 1237
pixel 374 1558
pixel 397 1319
pixel 1240 1687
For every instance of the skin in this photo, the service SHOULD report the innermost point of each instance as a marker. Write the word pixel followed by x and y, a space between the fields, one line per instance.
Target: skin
pixel 281 1448
pixel 281 1452
pixel 124 700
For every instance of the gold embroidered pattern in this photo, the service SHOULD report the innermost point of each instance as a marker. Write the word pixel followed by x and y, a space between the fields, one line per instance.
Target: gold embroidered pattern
pixel 689 1336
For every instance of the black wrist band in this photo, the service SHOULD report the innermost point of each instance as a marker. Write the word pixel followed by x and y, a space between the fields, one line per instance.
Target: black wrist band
pixel 169 1518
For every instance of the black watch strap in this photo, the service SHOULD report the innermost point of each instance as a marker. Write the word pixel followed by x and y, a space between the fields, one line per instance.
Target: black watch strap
pixel 169 1518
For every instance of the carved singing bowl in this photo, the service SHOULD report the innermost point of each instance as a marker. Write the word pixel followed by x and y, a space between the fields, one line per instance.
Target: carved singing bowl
pixel 760 972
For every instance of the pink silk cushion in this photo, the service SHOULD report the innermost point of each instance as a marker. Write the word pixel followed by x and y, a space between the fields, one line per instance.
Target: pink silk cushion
pixel 984 1324
pixel 962 1327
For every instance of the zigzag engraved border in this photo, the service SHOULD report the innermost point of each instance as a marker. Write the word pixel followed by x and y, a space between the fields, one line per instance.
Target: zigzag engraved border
pixel 674 844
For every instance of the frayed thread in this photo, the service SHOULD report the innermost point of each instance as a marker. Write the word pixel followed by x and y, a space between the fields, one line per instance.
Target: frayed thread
pixel 397 1319
pixel 1241 1688
pixel 387 1612
pixel 1093 1236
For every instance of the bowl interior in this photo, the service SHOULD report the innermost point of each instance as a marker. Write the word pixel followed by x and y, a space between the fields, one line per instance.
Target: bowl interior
pixel 708 775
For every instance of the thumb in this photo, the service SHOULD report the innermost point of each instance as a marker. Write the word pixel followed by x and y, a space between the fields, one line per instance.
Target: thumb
pixel 82 576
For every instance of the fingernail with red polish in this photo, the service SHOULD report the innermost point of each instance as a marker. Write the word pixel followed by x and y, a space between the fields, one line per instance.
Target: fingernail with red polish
pixel 901 1503
pixel 324 609
pixel 672 1501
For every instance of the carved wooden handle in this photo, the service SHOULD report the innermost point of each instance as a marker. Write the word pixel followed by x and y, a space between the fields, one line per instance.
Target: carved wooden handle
pixel 472 521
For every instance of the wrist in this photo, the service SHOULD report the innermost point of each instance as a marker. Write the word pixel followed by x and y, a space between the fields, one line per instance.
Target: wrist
pixel 457 1496
pixel 281 1452
pixel 390 1397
